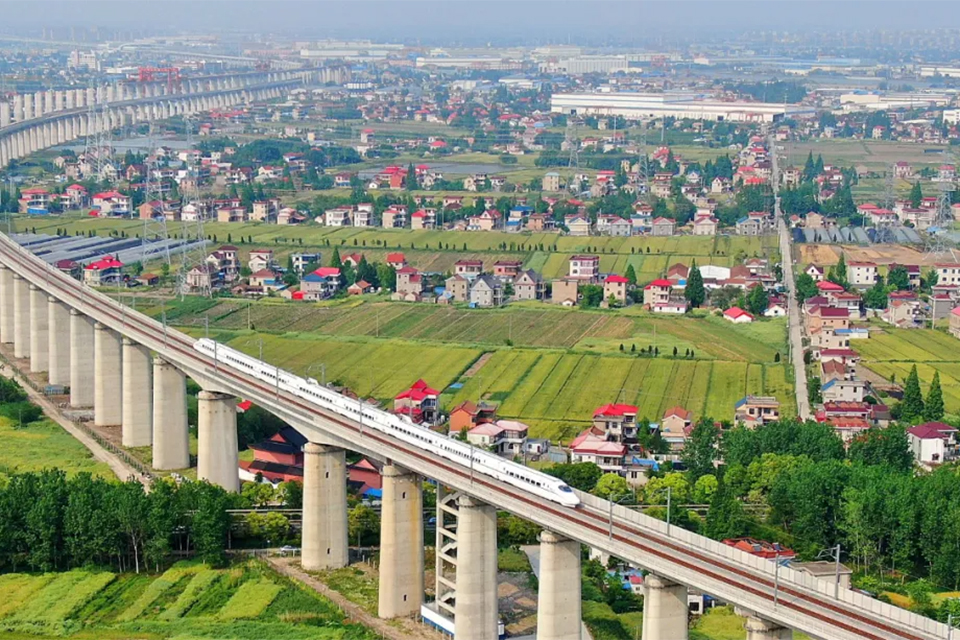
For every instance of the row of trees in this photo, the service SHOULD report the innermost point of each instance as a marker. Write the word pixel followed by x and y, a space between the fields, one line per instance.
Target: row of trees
pixel 866 497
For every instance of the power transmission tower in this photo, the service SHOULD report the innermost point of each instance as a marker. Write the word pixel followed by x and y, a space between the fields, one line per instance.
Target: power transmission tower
pixel 889 190
pixel 98 145
pixel 155 241
pixel 572 140
pixel 937 242
pixel 643 161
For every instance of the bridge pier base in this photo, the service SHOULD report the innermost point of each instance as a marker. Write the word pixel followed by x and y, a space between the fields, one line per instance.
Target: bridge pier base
pixel 107 373
pixel 664 609
pixel 21 317
pixel 325 544
pixel 171 437
pixel 81 360
pixel 401 544
pixel 761 629
pixel 39 330
pixel 476 616
pixel 6 305
pixel 217 459
pixel 558 608
pixel 58 321
pixel 137 396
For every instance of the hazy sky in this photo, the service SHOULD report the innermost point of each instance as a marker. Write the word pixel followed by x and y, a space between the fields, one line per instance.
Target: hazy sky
pixel 537 20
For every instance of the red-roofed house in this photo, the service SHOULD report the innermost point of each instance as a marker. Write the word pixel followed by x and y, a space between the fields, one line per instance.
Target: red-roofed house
pixel 933 443
pixel 321 283
pixel 825 286
pixel 761 548
pixel 592 446
pixel 106 270
pixel 396 260
pixel 111 203
pixel 618 422
pixel 420 402
pixel 615 288
pixel 737 315
pixel 468 415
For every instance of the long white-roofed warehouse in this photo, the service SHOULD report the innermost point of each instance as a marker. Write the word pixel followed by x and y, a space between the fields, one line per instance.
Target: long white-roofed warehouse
pixel 677 105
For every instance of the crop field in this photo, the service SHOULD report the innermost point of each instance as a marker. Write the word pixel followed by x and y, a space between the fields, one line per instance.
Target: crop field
pixel 187 601
pixel 44 444
pixel 556 393
pixel 376 369
pixel 895 351
pixel 528 325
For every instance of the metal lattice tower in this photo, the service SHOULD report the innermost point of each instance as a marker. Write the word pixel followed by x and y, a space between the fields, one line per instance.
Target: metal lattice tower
pixel 572 140
pixel 937 242
pixel 643 161
pixel 99 141
pixel 889 189
pixel 155 241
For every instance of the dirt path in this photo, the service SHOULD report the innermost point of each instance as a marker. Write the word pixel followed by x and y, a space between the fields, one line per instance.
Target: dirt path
pixel 407 629
pixel 116 464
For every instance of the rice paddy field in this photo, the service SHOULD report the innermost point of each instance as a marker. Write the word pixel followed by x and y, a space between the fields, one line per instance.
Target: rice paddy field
pixel 187 601
pixel 893 352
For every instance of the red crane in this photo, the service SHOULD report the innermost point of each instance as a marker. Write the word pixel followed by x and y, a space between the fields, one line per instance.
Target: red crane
pixel 172 74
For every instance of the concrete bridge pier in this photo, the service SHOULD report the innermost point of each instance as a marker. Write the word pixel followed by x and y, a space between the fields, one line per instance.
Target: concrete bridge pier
pixel 58 347
pixel 477 614
pixel 664 609
pixel 761 629
pixel 6 305
pixel 81 360
pixel 39 334
pixel 325 544
pixel 171 438
pixel 21 317
pixel 558 609
pixel 107 374
pixel 401 544
pixel 217 459
pixel 137 422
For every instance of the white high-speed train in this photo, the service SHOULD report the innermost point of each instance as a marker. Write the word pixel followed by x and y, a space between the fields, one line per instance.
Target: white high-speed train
pixel 480 461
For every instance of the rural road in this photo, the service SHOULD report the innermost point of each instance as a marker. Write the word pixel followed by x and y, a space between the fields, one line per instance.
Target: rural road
pixel 793 307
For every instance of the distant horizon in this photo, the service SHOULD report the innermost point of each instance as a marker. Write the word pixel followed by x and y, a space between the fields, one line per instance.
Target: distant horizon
pixel 480 21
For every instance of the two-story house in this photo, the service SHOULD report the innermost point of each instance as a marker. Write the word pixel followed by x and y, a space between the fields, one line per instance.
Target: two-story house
pixel 584 267
pixel 756 410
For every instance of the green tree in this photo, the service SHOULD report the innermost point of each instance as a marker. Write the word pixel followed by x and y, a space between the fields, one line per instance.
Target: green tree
pixel 911 405
pixel 591 295
pixel 674 483
pixel 335 260
pixel 898 278
pixel 694 292
pixel 611 486
pixel 363 525
pixel 837 274
pixel 704 488
pixel 579 475
pixel 916 195
pixel 806 287
pixel 411 181
pixel 876 296
pixel 888 447
pixel 757 300
pixel 725 518
pixel 631 275
pixel 933 405
pixel 700 450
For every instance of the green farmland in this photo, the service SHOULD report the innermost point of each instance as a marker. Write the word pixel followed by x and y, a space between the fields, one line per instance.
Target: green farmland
pixel 42 445
pixel 438 250
pixel 187 601
pixel 895 351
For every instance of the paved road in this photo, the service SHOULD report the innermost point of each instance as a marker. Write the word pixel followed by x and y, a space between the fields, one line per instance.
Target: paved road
pixel 533 554
pixel 793 308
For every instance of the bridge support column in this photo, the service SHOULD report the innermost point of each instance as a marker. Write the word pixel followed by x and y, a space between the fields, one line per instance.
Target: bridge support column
pixel 325 544
pixel 401 544
pixel 6 305
pixel 217 459
pixel 81 360
pixel 107 373
pixel 558 609
pixel 58 349
pixel 476 616
pixel 171 439
pixel 39 330
pixel 761 629
pixel 21 317
pixel 664 609
pixel 137 396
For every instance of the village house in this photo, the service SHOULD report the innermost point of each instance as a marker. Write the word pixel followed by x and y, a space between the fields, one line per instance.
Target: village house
pixel 753 411
pixel 948 273
pixel 613 225
pixel 618 422
pixel 338 217
pixel 203 277
pixel 737 315
pixel 551 181
pixel 265 210
pixel 592 446
pixel 486 221
pixel 111 203
pixel 105 271
pixel 321 283
pixel 565 291
pixel 933 443
pixel 394 217
pixel 468 415
pixel 842 390
pixel 410 285
pixel 904 312
pixel 468 268
pixel 508 269
pixel 663 227
pixel 705 225
pixel 529 286
pixel 422 219
pixel 675 425
pixel 657 292
pixel 577 225
pixel 815 272
pixel 420 402
pixel 260 259
pixel 396 260
pixel 584 267
pixel 862 275
pixel 458 288
pixel 819 318
pixel 486 291
pixel 615 290
pixel 359 288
